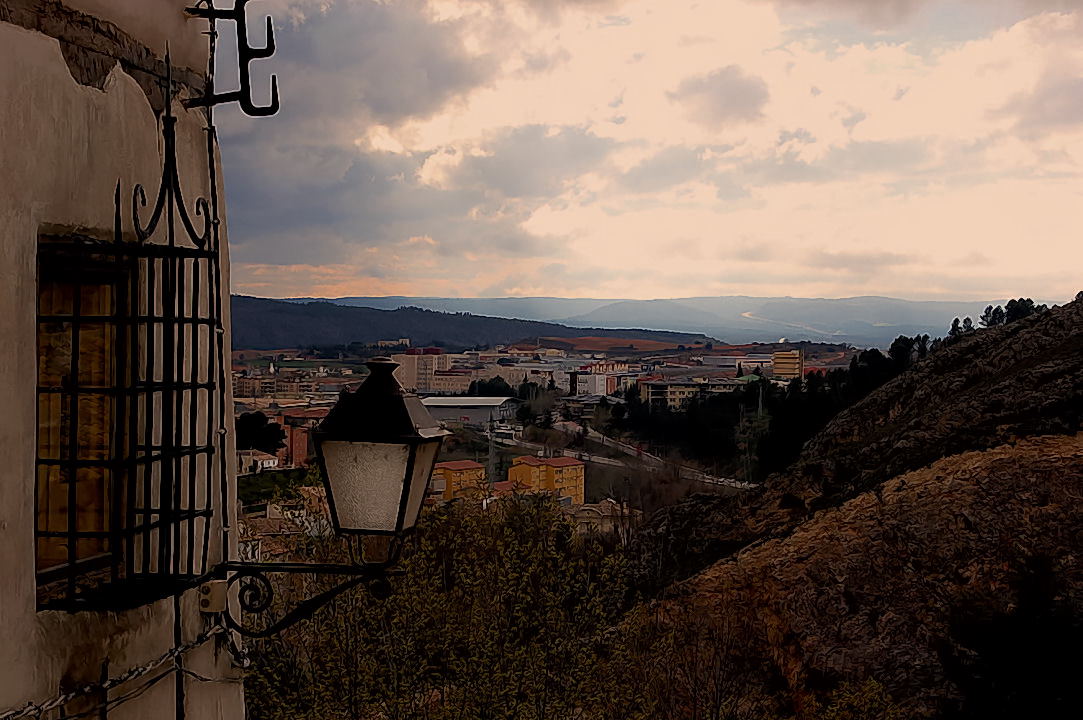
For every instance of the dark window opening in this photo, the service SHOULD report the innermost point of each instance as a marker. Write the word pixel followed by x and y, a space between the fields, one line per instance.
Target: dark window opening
pixel 129 359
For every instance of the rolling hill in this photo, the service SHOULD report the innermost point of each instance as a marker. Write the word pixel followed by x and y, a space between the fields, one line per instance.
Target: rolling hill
pixel 266 324
pixel 862 321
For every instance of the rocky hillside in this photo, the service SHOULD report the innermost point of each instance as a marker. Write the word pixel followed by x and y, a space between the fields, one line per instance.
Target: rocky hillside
pixel 991 387
pixel 945 584
pixel 928 537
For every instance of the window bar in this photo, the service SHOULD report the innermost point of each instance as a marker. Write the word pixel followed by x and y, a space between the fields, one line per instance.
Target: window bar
pixel 209 434
pixel 148 410
pixel 218 421
pixel 117 471
pixel 132 465
pixel 165 488
pixel 193 462
pixel 210 266
pixel 176 332
pixel 73 442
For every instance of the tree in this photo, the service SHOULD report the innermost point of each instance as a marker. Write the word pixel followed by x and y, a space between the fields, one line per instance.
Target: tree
pixel 256 432
pixel 1021 308
pixel 968 325
pixel 499 613
pixel 955 331
pixel 923 346
pixel 900 351
pixel 986 318
pixel 495 387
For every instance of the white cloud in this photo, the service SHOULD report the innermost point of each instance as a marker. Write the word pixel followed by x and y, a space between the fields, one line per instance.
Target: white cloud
pixel 673 149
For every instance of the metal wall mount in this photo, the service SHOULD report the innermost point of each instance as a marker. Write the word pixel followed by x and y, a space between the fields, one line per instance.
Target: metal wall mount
pixel 245 55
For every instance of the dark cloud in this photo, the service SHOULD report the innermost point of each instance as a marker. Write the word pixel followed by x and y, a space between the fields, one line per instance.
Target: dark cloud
pixel 389 59
pixel 300 190
pixel 377 202
pixel 850 121
pixel 783 167
pixel 878 13
pixel 1055 103
pixel 722 96
pixel 800 135
pixel 671 166
pixel 532 161
pixel 876 156
pixel 293 202
pixel 858 261
pixel 941 17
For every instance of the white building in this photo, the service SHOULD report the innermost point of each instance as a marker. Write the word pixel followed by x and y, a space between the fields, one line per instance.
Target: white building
pixel 115 437
pixel 592 384
pixel 471 410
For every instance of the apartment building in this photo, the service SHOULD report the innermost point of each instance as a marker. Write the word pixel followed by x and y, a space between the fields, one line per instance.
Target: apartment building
pixel 562 476
pixel 674 395
pixel 789 364
pixel 416 369
pixel 460 479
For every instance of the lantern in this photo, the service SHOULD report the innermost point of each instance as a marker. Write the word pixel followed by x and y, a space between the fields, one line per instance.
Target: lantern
pixel 377 448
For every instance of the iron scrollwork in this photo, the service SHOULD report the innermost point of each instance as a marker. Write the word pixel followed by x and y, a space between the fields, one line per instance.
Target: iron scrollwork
pixel 170 196
pixel 256 591
pixel 245 55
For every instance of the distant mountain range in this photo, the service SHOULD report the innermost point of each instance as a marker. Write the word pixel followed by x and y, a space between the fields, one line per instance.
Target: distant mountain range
pixel 262 324
pixel 861 321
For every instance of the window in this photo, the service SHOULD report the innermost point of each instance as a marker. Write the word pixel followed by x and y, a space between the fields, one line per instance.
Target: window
pixel 130 421
pixel 80 432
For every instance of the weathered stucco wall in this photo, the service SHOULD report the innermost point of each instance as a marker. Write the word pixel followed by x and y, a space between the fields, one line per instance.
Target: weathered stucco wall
pixel 63 146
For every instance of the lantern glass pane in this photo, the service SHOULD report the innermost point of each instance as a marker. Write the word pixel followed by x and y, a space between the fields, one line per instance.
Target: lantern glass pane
pixel 419 482
pixel 366 483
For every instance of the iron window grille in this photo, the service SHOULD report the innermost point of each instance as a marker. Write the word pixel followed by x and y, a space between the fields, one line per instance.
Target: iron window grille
pixel 126 518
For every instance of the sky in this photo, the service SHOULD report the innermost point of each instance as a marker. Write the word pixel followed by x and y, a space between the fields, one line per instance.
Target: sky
pixel 922 149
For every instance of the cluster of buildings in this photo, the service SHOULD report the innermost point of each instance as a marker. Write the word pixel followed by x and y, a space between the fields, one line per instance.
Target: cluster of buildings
pixel 564 477
pixel 432 371
pixel 298 398
pixel 274 531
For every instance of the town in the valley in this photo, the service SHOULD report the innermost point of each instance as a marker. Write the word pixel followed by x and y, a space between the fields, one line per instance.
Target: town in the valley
pixel 530 417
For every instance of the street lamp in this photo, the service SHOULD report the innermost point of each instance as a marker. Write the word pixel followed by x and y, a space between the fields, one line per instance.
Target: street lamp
pixel 376 451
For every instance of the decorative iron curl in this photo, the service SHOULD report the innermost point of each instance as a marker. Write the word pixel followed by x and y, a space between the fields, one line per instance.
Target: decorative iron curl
pixel 256 592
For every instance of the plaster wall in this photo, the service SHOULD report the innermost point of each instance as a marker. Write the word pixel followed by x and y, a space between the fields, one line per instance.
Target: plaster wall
pixel 63 147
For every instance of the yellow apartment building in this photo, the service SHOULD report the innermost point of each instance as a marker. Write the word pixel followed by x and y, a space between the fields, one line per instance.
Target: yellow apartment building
pixel 789 364
pixel 562 476
pixel 461 479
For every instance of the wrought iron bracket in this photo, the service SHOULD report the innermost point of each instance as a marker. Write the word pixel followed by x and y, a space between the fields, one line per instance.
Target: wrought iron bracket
pixel 245 55
pixel 256 592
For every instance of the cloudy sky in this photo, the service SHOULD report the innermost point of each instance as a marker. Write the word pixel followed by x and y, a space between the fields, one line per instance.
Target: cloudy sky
pixel 643 149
